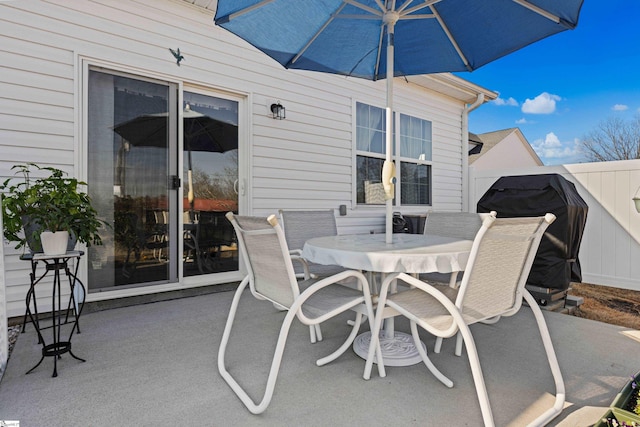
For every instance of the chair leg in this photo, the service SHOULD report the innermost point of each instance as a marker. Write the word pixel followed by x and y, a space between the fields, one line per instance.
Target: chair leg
pixel 554 411
pixel 453 283
pixel 476 371
pixel 348 342
pixel 458 344
pixel 438 346
pixel 374 345
pixel 425 358
pixel 275 364
pixel 315 333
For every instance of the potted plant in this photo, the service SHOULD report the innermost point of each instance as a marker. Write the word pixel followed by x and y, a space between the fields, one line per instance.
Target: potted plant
pixel 47 204
pixel 629 397
pixel 615 417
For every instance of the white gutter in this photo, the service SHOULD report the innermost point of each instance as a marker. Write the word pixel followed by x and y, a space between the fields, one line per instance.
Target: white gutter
pixel 465 150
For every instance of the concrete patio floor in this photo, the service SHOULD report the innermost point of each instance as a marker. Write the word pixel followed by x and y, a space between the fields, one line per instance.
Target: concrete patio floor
pixel 155 364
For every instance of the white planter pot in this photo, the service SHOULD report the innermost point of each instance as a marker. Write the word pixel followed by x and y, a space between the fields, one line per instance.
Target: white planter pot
pixel 54 243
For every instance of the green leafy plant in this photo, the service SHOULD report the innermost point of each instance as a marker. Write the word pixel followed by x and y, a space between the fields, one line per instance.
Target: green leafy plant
pixel 52 203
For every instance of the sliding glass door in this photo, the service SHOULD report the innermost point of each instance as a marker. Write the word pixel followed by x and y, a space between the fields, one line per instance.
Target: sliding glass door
pixel 166 223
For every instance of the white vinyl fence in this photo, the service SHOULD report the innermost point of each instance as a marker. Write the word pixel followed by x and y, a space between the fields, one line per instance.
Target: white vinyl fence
pixel 610 250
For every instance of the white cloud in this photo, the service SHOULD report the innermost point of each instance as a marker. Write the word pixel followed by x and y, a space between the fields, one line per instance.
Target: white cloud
pixel 545 103
pixel 510 102
pixel 553 151
pixel 523 121
pixel 620 107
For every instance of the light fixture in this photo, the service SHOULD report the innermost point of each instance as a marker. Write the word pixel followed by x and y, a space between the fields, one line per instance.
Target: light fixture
pixel 278 111
pixel 636 200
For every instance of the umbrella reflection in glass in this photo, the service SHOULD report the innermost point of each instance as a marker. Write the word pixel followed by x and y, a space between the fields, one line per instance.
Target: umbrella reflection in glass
pixel 201 133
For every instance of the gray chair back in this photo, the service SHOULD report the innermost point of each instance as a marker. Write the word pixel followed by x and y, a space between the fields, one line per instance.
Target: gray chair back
pixel 300 226
pixel 268 262
pixel 462 225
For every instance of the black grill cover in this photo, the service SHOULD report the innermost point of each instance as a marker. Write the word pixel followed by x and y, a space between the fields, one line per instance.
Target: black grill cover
pixel 556 264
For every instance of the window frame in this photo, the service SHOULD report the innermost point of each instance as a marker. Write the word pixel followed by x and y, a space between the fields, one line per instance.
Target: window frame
pixel 399 160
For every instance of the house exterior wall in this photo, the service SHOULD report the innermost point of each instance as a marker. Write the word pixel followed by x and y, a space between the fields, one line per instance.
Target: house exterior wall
pixel 510 152
pixel 4 335
pixel 306 160
pixel 610 247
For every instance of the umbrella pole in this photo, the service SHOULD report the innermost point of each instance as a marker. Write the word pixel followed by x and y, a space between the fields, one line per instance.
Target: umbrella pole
pixel 390 18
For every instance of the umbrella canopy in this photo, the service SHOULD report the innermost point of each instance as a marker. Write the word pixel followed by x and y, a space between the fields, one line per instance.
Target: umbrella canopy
pixel 376 39
pixel 201 133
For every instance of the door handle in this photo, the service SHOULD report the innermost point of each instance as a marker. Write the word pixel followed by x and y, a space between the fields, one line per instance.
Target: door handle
pixel 174 182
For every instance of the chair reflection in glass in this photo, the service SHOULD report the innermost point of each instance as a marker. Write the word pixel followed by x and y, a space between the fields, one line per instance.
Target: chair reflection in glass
pixel 159 234
pixel 204 236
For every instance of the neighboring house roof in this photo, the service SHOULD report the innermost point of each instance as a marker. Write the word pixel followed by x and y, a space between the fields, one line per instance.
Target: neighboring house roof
pixel 506 148
pixel 475 144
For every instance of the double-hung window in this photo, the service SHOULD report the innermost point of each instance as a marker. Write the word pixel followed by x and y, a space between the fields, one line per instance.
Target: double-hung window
pixel 413 163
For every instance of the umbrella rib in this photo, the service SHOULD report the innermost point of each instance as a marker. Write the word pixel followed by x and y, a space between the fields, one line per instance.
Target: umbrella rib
pixel 404 6
pixel 546 14
pixel 227 18
pixel 316 35
pixel 378 54
pixel 426 3
pixel 367 8
pixel 421 16
pixel 451 38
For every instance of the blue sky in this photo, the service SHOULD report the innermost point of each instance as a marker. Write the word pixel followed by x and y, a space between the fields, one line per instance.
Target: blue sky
pixel 559 89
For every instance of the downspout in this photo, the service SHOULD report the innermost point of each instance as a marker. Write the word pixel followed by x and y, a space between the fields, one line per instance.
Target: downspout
pixel 465 150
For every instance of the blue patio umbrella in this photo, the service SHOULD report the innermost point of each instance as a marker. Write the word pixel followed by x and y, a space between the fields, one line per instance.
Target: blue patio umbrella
pixel 376 39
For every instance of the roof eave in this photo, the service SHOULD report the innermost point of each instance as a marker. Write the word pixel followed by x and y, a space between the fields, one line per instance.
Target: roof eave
pixel 453 86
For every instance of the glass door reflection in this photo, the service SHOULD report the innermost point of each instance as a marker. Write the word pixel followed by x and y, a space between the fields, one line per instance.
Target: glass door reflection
pixel 132 152
pixel 210 174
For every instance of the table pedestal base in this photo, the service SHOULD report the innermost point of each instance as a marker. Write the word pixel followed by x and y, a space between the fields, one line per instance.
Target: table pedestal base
pixel 397 351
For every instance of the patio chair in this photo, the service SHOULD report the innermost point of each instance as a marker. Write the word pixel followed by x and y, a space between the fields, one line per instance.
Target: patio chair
pixel 493 285
pixel 461 225
pixel 300 226
pixel 270 277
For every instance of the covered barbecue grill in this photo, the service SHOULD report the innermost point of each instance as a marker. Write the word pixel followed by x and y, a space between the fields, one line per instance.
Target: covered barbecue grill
pixel 556 264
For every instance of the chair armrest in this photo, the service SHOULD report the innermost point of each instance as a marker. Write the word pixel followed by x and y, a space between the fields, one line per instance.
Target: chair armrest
pixel 296 257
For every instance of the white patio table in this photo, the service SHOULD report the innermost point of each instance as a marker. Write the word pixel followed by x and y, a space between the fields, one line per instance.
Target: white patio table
pixel 408 253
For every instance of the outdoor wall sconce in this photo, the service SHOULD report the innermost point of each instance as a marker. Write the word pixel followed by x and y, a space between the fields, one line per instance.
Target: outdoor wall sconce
pixel 278 111
pixel 636 200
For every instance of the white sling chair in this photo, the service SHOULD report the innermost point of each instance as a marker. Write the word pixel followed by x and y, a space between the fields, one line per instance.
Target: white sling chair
pixel 270 277
pixel 462 225
pixel 493 285
pixel 300 226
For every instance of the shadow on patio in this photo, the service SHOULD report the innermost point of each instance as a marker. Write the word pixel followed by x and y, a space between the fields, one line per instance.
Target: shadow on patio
pixel 155 363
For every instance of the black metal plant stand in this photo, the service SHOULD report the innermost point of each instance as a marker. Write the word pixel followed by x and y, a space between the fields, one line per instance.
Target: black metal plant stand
pixel 55 264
